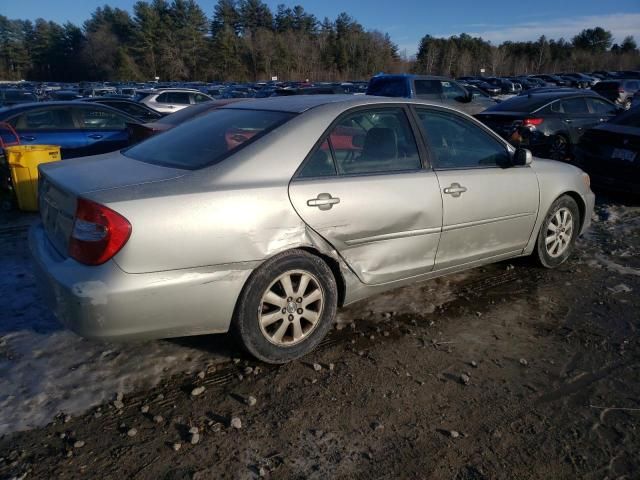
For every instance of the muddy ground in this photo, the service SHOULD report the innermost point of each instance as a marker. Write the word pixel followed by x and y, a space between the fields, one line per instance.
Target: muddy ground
pixel 507 372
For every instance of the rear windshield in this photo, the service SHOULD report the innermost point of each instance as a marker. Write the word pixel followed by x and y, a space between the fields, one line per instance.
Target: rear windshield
pixel 388 87
pixel 207 139
pixel 523 103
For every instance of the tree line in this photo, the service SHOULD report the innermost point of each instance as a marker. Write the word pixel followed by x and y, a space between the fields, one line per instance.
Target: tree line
pixel 590 50
pixel 244 40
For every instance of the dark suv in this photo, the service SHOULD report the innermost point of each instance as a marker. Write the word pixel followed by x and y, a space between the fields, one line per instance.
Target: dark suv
pixel 438 89
pixel 618 91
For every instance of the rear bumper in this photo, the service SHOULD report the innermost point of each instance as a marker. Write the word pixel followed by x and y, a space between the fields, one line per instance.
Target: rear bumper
pixel 607 178
pixel 104 302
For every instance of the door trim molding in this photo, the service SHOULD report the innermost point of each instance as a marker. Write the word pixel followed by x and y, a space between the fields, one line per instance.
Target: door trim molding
pixel 394 235
pixel 448 228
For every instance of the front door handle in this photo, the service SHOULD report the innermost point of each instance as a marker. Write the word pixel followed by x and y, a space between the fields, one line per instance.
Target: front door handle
pixel 455 190
pixel 95 136
pixel 28 138
pixel 324 201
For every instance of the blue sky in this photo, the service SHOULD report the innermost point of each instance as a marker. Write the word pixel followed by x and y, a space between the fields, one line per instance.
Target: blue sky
pixel 408 20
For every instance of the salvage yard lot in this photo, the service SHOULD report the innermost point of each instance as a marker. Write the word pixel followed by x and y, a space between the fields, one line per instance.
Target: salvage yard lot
pixel 508 371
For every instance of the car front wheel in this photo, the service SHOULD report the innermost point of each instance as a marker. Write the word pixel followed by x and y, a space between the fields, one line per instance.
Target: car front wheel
pixel 558 233
pixel 287 307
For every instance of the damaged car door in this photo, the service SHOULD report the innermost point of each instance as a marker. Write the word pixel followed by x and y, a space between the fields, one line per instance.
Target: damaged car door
pixel 364 189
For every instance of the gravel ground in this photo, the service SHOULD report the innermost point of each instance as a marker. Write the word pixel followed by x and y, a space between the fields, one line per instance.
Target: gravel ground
pixel 508 371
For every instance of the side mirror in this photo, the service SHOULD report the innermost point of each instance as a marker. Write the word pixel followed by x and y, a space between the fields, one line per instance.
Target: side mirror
pixel 522 157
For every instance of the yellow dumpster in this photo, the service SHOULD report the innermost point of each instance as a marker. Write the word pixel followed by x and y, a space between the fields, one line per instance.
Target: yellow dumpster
pixel 23 162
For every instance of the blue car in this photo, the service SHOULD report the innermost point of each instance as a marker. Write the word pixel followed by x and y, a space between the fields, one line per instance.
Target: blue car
pixel 79 128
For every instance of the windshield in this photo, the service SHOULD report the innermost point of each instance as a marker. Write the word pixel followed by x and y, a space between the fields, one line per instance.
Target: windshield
pixel 207 139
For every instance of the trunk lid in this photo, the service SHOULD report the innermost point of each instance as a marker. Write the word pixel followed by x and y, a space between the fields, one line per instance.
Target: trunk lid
pixel 61 183
pixel 501 122
pixel 613 151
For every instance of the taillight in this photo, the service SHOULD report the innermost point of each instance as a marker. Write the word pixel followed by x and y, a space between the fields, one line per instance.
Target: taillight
pixel 98 233
pixel 532 122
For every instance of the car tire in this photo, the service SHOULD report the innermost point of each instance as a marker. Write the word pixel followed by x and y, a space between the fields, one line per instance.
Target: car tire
pixel 558 233
pixel 559 149
pixel 286 307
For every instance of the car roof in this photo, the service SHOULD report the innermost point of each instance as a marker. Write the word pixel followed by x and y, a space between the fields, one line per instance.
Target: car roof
pixel 302 103
pixel 168 89
pixel 534 101
pixel 409 76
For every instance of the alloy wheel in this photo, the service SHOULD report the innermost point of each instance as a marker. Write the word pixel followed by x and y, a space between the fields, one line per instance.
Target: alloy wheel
pixel 559 232
pixel 291 308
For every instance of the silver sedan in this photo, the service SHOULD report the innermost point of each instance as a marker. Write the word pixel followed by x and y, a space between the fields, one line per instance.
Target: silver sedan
pixel 265 216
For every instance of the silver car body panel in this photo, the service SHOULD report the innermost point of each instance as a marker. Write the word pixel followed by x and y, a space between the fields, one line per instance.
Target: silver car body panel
pixel 198 235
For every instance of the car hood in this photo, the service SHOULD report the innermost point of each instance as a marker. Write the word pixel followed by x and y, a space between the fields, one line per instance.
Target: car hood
pixel 104 172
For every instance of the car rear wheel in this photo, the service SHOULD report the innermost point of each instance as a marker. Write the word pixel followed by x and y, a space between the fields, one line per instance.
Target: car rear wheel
pixel 558 233
pixel 559 149
pixel 287 307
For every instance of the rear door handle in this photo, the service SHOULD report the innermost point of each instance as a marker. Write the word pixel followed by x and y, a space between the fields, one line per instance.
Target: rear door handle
pixel 95 136
pixel 324 201
pixel 28 138
pixel 455 190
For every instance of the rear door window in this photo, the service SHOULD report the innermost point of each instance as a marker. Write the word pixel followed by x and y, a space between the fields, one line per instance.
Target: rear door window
pixel 601 107
pixel 575 106
pixel 49 119
pixel 91 118
pixel 374 141
pixel 453 91
pixel 388 87
pixel 174 98
pixel 428 88
pixel 199 98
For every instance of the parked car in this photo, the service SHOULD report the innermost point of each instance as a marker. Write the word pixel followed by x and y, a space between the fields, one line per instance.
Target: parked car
pixel 550 124
pixel 553 80
pixel 169 100
pixel 478 92
pixel 440 89
pixel 142 131
pixel 618 91
pixel 135 109
pixel 610 153
pixel 320 90
pixel 264 216
pixel 507 87
pixel 79 128
pixel 491 90
pixel 580 80
pixel 62 95
pixel 16 96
